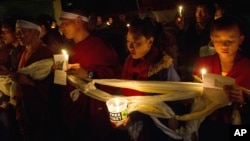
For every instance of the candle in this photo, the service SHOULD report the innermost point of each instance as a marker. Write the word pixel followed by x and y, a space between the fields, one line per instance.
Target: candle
pixel 203 71
pixel 180 11
pixel 117 108
pixel 66 59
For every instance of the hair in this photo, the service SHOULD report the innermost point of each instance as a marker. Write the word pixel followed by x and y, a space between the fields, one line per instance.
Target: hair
pixel 226 22
pixel 149 28
pixel 45 20
pixel 209 5
pixel 9 22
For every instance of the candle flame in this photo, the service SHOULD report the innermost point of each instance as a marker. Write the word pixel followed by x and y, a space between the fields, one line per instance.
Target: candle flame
pixel 180 10
pixel 64 52
pixel 203 71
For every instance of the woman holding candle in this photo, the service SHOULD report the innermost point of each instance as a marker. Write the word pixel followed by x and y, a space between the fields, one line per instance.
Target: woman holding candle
pixel 151 58
pixel 227 35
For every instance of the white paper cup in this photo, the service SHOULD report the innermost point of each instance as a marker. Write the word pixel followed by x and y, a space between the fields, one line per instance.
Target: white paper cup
pixel 117 110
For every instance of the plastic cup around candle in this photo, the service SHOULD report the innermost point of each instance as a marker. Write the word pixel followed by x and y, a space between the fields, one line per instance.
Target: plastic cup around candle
pixel 117 108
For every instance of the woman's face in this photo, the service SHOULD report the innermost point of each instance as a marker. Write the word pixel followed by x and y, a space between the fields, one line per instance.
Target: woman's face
pixel 227 41
pixel 138 46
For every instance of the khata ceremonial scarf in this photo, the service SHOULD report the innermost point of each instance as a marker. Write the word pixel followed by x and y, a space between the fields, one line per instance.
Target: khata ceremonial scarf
pixel 38 70
pixel 141 69
pixel 27 24
pixel 68 15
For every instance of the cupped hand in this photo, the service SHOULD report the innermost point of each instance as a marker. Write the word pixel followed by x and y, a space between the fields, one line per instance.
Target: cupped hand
pixel 235 93
pixel 77 70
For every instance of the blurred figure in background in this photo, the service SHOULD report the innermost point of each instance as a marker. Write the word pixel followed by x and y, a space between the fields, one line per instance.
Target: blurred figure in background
pixel 13 56
pixel 100 24
pixel 4 50
pixel 196 35
pixel 10 40
pixel 50 34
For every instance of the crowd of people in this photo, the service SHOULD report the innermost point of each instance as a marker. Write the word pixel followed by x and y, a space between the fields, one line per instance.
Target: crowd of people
pixel 33 108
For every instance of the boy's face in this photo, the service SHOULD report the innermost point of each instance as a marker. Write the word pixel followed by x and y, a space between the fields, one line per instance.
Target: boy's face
pixel 227 41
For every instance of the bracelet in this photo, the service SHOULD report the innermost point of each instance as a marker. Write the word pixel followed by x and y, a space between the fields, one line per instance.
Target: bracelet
pixel 243 104
pixel 90 74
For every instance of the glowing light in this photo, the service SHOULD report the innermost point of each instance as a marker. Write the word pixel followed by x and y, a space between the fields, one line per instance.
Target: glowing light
pixel 66 58
pixel 203 71
pixel 180 10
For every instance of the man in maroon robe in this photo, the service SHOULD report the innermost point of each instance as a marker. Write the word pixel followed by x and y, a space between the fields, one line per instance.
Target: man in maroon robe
pixel 90 57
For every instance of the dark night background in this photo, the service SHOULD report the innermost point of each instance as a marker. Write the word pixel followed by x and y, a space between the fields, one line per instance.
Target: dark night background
pixel 102 7
pixel 121 6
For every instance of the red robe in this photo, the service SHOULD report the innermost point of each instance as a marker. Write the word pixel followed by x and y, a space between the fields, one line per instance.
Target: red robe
pixel 87 113
pixel 35 106
pixel 216 125
pixel 240 70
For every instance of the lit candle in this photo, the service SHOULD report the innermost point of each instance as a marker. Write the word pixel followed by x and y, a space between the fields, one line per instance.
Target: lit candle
pixel 66 58
pixel 203 71
pixel 117 108
pixel 128 25
pixel 180 11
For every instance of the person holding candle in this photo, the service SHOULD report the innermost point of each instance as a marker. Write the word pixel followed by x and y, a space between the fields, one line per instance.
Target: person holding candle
pixel 227 34
pixel 190 37
pixel 89 57
pixel 151 58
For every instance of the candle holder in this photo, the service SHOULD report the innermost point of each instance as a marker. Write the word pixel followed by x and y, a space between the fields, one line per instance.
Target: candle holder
pixel 117 108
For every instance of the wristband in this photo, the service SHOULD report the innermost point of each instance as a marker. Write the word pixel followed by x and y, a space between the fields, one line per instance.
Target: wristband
pixel 90 74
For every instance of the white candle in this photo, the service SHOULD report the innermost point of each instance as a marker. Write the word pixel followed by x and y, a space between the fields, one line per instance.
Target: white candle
pixel 203 71
pixel 66 58
pixel 180 11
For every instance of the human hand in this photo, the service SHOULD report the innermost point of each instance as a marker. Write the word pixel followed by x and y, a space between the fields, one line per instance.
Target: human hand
pixel 235 93
pixel 77 70
pixel 22 79
pixel 179 21
pixel 126 121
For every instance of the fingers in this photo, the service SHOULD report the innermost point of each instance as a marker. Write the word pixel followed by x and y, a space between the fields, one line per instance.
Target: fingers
pixel 126 121
pixel 74 66
pixel 78 72
pixel 235 93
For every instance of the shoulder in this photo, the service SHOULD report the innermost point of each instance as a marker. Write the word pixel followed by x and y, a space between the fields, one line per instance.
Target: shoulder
pixel 45 50
pixel 164 63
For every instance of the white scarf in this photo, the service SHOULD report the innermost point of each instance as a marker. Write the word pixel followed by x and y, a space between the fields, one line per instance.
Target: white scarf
pixel 38 71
